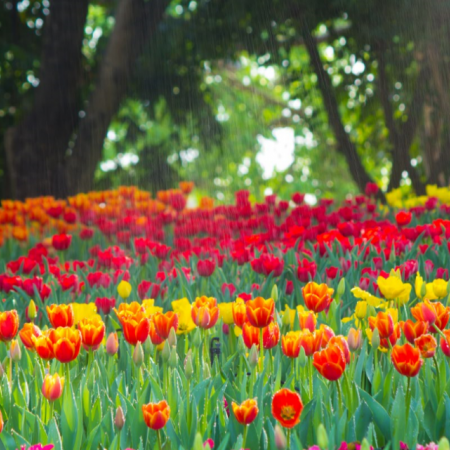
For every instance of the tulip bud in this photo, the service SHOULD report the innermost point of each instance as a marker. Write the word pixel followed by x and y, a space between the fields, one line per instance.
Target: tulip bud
pixel 375 339
pixel 322 437
pixel 32 310
pixel 112 344
pixel 165 354
pixel 341 288
pixel 188 368
pixel 198 442
pixel 274 293
pixel 354 339
pixel 173 358
pixel 241 346
pixel 225 329
pixel 280 438
pixel 124 289
pixel 15 352
pixel 286 322
pixel 302 358
pixel 443 444
pixel 206 371
pixel 148 346
pixel 196 339
pixel 253 357
pixel 172 339
pixel 119 420
pixel 138 355
pixel 53 386
pixel 365 444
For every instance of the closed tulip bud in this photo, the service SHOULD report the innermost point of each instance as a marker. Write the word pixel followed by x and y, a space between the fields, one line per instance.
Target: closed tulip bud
pixel 443 444
pixel 148 346
pixel 172 338
pixel 341 288
pixel 375 338
pixel 165 354
pixel 32 310
pixel 52 388
pixel 188 368
pixel 354 339
pixel 16 354
pixel 119 420
pixel 112 344
pixel 280 438
pixel 124 289
pixel 253 357
pixel 302 358
pixel 274 293
pixel 322 437
pixel 241 345
pixel 365 444
pixel 206 371
pixel 196 339
pixel 138 355
pixel 173 358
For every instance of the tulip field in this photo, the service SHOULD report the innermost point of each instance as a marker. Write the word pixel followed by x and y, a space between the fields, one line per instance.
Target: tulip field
pixel 132 322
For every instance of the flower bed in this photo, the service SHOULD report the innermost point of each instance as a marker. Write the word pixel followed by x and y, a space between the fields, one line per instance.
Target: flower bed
pixel 132 322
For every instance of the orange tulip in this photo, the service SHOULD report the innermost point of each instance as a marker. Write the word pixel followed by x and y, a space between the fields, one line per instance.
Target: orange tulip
pixel 44 344
pixel 341 342
pixel 164 322
pixel 330 362
pixel 307 320
pixel 406 360
pixel 250 335
pixel 9 325
pixel 67 344
pixel 322 336
pixel 271 335
pixel 287 407
pixel 128 308
pixel 427 345
pixel 154 336
pixel 156 415
pixel 246 412
pixel 317 297
pixel 28 330
pixel 260 312
pixel 413 330
pixel 52 387
pixel 61 315
pixel 384 323
pixel 92 333
pixel 135 324
pixel 205 312
pixel 239 313
pixel 290 344
pixel 393 338
pixel 443 316
pixel 354 339
pixel 445 343
pixel 425 311
pixel 308 342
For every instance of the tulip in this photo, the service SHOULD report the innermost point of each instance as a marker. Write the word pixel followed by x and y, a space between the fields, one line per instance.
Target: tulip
pixel 66 344
pixel 246 412
pixel 403 218
pixel 124 289
pixel 138 355
pixel 15 351
pixel 226 313
pixel 280 438
pixel 445 343
pixel 317 297
pixel 92 333
pixel 32 311
pixel 105 305
pixel 427 345
pixel 250 335
pixel 406 360
pixel 260 312
pixel 307 320
pixel 61 315
pixel 287 407
pixel 383 322
pixel 28 330
pixel 342 343
pixel 290 344
pixel 52 388
pixel 205 268
pixel 9 325
pixel 413 330
pixel 156 415
pixel 330 362
pixel 239 313
pixel 308 342
pixel 164 323
pixel 61 241
pixel 205 312
pixel 271 336
pixel 136 327
pixel 112 344
pixel 119 419
pixel 354 339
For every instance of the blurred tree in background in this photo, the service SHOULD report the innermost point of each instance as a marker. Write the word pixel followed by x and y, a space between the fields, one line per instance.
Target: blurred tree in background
pixel 272 96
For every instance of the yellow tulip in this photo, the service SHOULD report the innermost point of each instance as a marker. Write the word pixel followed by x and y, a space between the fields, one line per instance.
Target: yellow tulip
pixel 124 289
pixel 366 296
pixel 183 308
pixel 150 308
pixel 393 288
pixel 440 288
pixel 429 288
pixel 84 311
pixel 226 312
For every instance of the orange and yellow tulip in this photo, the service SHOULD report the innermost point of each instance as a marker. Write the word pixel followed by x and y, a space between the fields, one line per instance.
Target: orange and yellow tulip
pixel 330 362
pixel 61 315
pixel 164 322
pixel 26 333
pixel 246 412
pixel 52 387
pixel 406 360
pixel 384 323
pixel 290 344
pixel 317 297
pixel 9 325
pixel 427 345
pixel 205 312
pixel 156 415
pixel 92 333
pixel 260 312
pixel 287 407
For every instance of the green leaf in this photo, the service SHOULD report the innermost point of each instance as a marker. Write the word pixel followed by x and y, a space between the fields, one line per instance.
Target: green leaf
pixel 380 415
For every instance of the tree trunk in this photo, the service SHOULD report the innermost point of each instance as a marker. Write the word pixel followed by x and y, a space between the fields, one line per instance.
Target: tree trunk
pixel 136 21
pixel 344 144
pixel 36 148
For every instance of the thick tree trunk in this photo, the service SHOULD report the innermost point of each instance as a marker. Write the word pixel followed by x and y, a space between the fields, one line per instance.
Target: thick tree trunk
pixel 401 139
pixel 344 144
pixel 36 148
pixel 136 21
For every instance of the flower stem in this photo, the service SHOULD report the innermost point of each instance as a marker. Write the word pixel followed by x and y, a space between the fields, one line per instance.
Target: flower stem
pixel 245 436
pixel 438 383
pixel 158 432
pixel 339 397
pixel 408 398
pixel 261 350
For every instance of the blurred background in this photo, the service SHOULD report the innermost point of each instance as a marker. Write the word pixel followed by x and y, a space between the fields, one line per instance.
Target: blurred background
pixel 273 96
